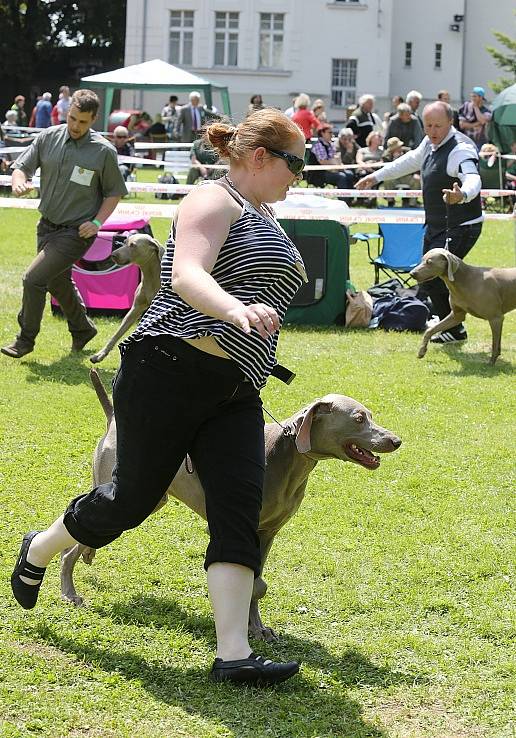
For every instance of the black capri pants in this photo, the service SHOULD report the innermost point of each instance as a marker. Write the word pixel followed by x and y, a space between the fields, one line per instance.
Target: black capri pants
pixel 171 399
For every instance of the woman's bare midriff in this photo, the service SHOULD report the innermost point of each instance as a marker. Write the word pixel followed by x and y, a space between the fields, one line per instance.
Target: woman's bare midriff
pixel 208 344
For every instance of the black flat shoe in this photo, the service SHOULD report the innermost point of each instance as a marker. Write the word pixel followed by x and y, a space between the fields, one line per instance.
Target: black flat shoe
pixel 26 594
pixel 253 670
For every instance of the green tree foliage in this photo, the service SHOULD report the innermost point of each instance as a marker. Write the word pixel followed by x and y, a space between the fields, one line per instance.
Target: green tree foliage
pixel 40 34
pixel 504 60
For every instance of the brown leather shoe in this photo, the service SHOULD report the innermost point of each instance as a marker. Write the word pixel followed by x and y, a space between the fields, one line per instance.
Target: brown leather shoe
pixel 17 349
pixel 79 342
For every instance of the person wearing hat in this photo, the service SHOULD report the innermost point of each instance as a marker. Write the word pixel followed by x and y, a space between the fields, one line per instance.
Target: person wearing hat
pixel 448 162
pixel 394 149
pixel 474 116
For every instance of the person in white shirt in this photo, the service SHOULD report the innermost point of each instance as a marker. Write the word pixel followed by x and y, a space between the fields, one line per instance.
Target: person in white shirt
pixel 448 161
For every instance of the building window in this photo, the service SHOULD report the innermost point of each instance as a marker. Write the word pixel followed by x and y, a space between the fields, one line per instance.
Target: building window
pixel 271 40
pixel 181 37
pixel 438 57
pixel 343 82
pixel 226 39
pixel 408 53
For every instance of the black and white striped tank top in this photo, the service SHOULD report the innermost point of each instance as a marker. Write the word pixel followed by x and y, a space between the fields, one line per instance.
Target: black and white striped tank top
pixel 257 263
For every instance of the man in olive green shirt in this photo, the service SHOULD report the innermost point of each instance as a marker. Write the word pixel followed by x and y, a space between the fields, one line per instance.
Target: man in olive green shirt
pixel 80 187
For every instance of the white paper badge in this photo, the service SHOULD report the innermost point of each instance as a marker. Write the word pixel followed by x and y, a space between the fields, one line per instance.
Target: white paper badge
pixel 82 176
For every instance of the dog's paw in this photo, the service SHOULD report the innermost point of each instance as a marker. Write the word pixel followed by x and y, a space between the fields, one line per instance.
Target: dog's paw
pixel 263 633
pixel 421 352
pixel 96 358
pixel 73 599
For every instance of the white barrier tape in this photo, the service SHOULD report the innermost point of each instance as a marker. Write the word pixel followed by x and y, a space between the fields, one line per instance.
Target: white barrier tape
pixel 350 217
pixel 154 187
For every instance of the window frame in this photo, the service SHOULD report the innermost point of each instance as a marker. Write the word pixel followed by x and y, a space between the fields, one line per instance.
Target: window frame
pixel 408 54
pixel 341 82
pixel 185 32
pixel 227 32
pixel 438 56
pixel 271 33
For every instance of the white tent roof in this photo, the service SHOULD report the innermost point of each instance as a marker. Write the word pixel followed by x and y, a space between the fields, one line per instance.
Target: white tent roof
pixel 154 73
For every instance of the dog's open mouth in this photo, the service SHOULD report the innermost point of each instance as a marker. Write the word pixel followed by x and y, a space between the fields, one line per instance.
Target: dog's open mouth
pixel 362 456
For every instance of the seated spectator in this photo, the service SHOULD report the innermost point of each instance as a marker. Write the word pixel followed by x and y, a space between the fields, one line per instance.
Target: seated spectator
pixel 413 100
pixel 370 153
pixel 363 120
pixel 396 100
pixel 474 116
pixel 304 117
pixel 157 128
pixel 394 150
pixel 367 155
pixel 319 110
pixel 201 153
pixel 11 118
pixel 491 167
pixel 444 96
pixel 347 146
pixel 124 147
pixel 405 125
pixel 255 103
pixel 323 152
pixel 19 106
pixel 44 110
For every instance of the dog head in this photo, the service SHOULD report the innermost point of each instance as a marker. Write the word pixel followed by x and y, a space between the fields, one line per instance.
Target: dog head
pixel 339 427
pixel 436 263
pixel 138 249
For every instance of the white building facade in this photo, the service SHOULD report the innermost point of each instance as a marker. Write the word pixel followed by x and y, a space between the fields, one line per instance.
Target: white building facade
pixel 332 49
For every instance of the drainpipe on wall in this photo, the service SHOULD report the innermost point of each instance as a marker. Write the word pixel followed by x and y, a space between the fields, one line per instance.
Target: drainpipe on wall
pixel 144 44
pixel 463 63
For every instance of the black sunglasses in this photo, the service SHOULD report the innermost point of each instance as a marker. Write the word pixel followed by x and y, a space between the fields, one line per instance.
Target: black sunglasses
pixel 294 163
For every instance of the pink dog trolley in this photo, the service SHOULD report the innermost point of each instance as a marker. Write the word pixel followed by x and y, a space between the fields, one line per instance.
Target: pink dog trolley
pixel 105 286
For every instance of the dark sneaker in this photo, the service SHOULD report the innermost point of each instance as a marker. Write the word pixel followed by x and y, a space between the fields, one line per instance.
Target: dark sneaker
pixel 80 341
pixel 17 349
pixel 254 670
pixel 449 337
pixel 26 594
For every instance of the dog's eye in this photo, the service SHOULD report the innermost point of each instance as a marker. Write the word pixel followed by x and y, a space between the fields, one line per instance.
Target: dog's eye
pixel 429 261
pixel 359 418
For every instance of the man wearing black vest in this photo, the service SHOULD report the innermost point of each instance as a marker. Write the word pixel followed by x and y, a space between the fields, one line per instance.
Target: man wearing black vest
pixel 448 162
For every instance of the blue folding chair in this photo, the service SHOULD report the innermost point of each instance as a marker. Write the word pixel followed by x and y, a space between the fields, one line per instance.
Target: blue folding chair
pixel 399 249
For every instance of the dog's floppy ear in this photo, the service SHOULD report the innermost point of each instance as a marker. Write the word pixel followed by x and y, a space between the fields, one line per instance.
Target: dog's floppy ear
pixel 159 248
pixel 304 424
pixel 453 265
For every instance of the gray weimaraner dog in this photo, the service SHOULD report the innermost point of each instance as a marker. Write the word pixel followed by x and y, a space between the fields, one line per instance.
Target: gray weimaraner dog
pixel 482 292
pixel 146 252
pixel 333 427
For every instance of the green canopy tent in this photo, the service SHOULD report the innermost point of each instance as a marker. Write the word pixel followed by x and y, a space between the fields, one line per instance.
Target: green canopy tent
pixel 502 129
pixel 153 75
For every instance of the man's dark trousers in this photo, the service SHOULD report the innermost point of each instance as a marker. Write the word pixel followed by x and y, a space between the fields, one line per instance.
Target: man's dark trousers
pixel 461 241
pixel 59 247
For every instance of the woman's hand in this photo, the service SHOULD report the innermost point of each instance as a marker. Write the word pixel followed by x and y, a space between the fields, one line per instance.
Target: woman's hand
pixel 366 183
pixel 262 317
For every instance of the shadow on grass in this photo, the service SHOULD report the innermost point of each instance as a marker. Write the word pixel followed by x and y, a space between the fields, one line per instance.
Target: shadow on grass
pixel 474 363
pixel 69 369
pixel 288 710
pixel 291 709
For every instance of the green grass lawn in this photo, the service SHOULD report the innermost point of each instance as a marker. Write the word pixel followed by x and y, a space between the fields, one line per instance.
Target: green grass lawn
pixel 393 587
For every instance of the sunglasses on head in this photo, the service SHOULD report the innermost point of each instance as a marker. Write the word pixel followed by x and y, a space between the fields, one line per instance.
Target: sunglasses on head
pixel 294 163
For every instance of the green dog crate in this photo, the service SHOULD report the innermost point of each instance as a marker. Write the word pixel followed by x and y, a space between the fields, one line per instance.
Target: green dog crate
pixel 324 246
